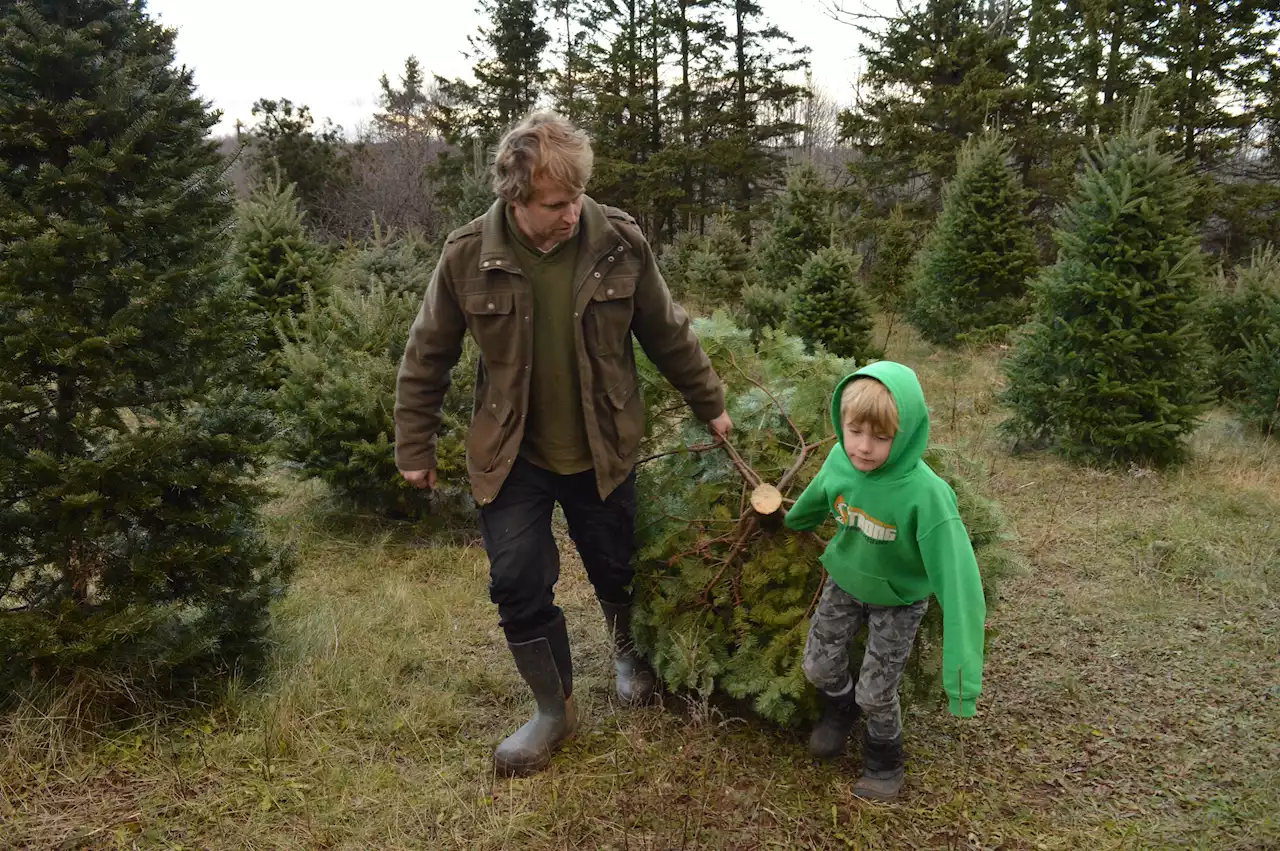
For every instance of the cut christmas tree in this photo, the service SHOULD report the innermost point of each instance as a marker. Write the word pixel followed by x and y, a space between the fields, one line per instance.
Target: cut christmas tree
pixel 723 590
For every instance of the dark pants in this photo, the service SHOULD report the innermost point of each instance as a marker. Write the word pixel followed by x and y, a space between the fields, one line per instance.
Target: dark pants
pixel 524 563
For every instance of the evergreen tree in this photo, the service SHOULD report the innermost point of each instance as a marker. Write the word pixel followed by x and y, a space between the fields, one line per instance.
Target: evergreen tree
pixel 1216 55
pixel 831 309
pixel 285 145
pixel 508 70
pixel 973 268
pixel 1112 369
pixel 802 224
pixel 1240 314
pixel 759 116
pixel 129 533
pixel 405 112
pixel 276 259
pixel 937 74
pixel 897 241
pixel 1260 399
pixel 765 307
pixel 388 260
pixel 340 361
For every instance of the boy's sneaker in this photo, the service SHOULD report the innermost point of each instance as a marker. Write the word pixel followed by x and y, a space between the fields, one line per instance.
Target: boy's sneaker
pixel 884 770
pixel 839 715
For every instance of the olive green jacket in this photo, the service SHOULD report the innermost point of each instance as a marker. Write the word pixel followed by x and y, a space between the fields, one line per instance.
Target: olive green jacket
pixel 478 287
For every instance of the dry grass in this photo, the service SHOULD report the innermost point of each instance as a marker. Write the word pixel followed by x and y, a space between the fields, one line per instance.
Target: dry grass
pixel 1132 698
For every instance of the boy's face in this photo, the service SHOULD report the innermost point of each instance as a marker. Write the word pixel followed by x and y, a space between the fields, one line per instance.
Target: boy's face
pixel 867 449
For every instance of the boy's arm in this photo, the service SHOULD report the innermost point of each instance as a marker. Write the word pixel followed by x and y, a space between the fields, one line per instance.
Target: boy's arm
pixel 957 585
pixel 812 507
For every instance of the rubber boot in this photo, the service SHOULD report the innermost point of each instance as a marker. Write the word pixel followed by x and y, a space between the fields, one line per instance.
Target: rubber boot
pixel 635 678
pixel 839 715
pixel 544 662
pixel 883 769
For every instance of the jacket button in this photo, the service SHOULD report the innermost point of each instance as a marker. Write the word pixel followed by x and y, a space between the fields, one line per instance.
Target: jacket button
pixel 491 305
pixel 619 248
pixel 610 259
pixel 608 292
pixel 485 264
pixel 597 274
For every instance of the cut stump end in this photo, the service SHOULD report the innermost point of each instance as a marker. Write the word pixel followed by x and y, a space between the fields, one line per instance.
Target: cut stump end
pixel 766 499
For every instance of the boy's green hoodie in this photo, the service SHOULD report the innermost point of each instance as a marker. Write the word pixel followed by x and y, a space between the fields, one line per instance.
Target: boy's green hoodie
pixel 900 537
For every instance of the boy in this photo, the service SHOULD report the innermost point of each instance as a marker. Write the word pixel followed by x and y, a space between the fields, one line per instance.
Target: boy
pixel 900 540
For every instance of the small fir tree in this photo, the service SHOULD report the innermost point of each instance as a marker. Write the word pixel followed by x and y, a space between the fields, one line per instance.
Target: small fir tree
pixel 766 307
pixel 275 257
pixel 1260 400
pixel 1113 369
pixel 1241 313
pixel 897 241
pixel 340 361
pixel 831 308
pixel 802 224
pixel 129 534
pixel 675 257
pixel 972 271
pixel 391 261
pixel 707 281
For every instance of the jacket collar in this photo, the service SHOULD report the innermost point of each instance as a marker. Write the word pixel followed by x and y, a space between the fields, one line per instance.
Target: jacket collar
pixel 598 233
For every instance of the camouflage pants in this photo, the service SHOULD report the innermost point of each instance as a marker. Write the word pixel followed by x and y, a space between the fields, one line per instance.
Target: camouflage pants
pixel 891 630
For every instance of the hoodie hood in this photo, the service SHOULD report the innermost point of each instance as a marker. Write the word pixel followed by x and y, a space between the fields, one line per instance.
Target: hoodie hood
pixel 913 418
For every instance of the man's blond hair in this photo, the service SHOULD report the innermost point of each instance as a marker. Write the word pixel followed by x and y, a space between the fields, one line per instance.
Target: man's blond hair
pixel 866 401
pixel 543 144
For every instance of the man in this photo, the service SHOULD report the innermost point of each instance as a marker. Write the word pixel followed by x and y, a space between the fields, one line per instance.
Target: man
pixel 552 286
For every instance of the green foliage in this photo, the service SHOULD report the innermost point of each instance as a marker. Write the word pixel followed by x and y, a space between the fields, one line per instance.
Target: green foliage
pixel 285 145
pixel 674 259
pixel 738 629
pixel 129 530
pixel 1112 369
pixel 1241 311
pixel 802 224
pixel 971 273
pixel 274 257
pixel 335 402
pixel 831 309
pixel 766 307
pixel 936 73
pixel 1260 400
pixel 711 269
pixel 388 260
pixel 897 241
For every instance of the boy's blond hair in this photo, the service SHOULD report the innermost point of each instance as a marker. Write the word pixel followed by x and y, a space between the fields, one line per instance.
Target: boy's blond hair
pixel 867 401
pixel 542 145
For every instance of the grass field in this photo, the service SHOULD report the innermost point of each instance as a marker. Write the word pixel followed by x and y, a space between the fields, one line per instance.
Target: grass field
pixel 1132 696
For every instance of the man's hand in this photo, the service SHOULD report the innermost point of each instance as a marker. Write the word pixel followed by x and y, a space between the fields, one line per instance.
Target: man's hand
pixel 420 478
pixel 721 426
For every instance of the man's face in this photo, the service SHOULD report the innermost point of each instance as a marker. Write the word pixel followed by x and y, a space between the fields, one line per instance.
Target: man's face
pixel 867 449
pixel 551 215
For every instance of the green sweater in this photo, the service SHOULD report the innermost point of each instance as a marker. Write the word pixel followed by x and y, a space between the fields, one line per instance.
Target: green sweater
pixel 555 437
pixel 900 537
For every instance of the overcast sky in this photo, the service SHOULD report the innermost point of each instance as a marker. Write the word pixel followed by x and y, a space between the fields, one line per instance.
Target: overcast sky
pixel 329 54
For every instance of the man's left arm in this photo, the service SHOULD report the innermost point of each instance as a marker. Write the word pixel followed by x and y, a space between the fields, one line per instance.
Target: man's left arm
pixel 662 326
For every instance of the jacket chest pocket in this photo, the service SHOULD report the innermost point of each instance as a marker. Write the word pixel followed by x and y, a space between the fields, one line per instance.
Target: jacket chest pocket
pixel 491 318
pixel 609 315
